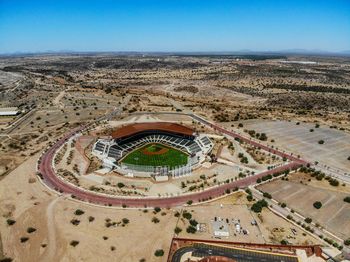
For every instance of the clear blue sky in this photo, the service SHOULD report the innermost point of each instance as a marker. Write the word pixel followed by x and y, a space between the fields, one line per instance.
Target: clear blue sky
pixel 178 25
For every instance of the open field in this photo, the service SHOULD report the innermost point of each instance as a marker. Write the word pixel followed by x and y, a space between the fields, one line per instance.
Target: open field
pixel 51 216
pixel 269 229
pixel 334 214
pixel 262 93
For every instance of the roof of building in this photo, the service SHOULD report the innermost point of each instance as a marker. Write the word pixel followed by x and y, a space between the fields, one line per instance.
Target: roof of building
pixel 161 126
pixel 8 111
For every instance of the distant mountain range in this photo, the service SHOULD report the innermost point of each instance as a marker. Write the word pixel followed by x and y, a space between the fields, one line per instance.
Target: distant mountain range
pixel 201 53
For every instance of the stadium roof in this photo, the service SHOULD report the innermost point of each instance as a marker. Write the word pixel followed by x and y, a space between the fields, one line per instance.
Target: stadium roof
pixel 161 126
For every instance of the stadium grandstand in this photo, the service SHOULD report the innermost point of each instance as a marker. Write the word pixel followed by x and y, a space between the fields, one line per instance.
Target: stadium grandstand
pixel 159 148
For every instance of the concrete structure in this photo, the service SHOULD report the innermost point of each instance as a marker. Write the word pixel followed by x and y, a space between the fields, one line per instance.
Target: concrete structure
pixel 132 137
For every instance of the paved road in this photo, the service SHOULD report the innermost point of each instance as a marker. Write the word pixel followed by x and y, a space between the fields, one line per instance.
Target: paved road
pixel 52 180
pixel 249 140
pixel 238 255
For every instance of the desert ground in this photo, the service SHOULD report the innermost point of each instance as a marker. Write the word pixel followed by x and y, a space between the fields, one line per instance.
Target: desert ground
pixel 295 106
pixel 52 217
pixel 334 213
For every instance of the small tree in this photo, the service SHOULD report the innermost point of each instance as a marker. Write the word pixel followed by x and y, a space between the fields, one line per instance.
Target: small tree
pixel 79 212
pixel 11 222
pixel 347 199
pixel 159 253
pixel 31 230
pixel 284 242
pixel 308 220
pixel 187 215
pixel 125 221
pixel 24 239
pixel 191 229
pixel 317 205
pixel 177 230
pixel 74 243
pixel 155 220
pixel 267 195
pixel 120 185
pixel 193 222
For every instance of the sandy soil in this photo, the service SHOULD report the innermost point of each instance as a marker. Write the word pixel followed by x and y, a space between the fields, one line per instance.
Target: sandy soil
pixel 270 227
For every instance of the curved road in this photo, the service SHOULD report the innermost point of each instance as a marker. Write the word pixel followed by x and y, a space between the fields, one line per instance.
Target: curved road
pixel 50 178
pixel 236 254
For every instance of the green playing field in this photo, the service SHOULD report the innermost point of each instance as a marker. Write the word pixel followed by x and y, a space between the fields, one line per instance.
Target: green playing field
pixel 156 155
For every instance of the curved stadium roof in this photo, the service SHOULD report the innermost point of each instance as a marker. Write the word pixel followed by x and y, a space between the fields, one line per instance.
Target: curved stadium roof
pixel 132 129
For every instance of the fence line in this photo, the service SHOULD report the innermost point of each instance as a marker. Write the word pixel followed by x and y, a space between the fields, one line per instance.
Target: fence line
pixel 160 170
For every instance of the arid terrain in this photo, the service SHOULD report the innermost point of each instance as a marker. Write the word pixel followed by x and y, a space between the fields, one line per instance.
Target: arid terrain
pixel 284 102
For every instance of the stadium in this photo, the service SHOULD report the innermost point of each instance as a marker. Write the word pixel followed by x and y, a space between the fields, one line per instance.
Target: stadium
pixel 153 149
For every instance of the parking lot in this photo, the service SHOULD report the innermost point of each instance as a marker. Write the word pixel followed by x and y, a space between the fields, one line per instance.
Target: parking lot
pixel 299 140
pixel 334 214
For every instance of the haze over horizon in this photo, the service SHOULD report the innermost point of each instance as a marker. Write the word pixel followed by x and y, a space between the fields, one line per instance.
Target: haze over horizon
pixel 176 26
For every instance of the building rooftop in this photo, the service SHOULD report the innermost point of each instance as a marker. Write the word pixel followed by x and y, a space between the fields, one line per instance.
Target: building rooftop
pixel 161 126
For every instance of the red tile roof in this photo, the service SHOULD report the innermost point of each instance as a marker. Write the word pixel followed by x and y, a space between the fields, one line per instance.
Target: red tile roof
pixel 162 126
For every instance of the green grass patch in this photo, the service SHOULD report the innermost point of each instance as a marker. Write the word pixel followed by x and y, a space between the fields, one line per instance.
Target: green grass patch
pixel 171 157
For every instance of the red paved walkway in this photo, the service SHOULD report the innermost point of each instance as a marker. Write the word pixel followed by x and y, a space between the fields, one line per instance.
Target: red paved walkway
pixel 53 181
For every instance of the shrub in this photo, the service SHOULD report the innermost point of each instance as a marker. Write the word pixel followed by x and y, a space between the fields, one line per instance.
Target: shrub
pixel 191 229
pixel 91 218
pixel 347 242
pixel 11 222
pixel 125 221
pixel 284 242
pixel 283 205
pixel 193 222
pixel 267 195
pixel 334 182
pixel 75 222
pixel 189 202
pixel 177 230
pixel 157 209
pixel 79 212
pixel 308 220
pixel 24 239
pixel 74 243
pixel 159 253
pixel 31 230
pixel 317 205
pixel 120 185
pixel 155 220
pixel 347 199
pixel 187 215
pixel 321 142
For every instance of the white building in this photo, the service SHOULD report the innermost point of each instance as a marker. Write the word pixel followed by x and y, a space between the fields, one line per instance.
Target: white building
pixel 9 111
